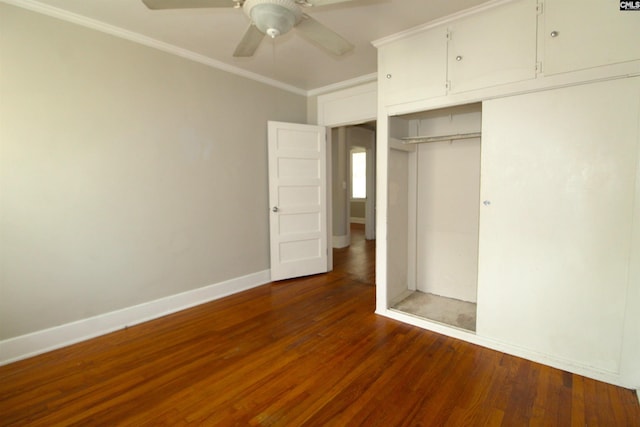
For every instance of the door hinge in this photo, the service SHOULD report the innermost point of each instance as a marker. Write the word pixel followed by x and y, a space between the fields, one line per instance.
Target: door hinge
pixel 448 35
pixel 447 85
pixel 539 67
pixel 539 8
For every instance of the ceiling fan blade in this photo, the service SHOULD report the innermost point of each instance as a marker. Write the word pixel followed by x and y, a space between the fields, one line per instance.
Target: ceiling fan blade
pixel 323 2
pixel 249 43
pixel 187 4
pixel 326 38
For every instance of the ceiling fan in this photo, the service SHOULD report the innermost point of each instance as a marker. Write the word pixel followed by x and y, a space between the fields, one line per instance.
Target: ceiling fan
pixel 269 17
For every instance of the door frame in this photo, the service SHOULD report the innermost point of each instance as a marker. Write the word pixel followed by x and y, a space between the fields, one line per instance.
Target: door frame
pixel 346 107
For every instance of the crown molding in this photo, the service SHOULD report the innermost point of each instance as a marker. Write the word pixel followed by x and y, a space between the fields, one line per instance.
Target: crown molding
pixel 367 78
pixel 84 21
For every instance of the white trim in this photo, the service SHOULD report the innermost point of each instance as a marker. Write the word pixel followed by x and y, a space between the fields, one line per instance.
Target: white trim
pixel 35 343
pixel 555 362
pixel 397 144
pixel 342 241
pixel 357 104
pixel 74 18
pixel 541 83
pixel 345 84
pixel 356 220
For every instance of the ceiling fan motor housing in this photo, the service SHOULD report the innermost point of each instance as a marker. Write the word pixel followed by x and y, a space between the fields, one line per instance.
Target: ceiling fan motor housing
pixel 273 17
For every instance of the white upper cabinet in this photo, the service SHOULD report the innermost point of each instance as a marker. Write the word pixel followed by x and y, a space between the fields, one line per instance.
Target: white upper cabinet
pixel 413 68
pixel 581 34
pixel 493 47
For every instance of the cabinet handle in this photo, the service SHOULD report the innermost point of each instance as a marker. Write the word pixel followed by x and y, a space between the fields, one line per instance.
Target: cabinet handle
pixel 554 34
pixel 388 76
pixel 458 58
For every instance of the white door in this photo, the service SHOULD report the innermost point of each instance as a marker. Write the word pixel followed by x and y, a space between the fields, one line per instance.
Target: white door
pixel 413 68
pixel 297 199
pixel 581 34
pixel 481 54
pixel 556 228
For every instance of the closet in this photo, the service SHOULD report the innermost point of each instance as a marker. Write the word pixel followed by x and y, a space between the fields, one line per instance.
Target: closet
pixel 438 155
pixel 509 182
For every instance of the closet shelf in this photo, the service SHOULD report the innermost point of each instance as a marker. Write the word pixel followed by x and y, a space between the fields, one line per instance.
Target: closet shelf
pixel 427 139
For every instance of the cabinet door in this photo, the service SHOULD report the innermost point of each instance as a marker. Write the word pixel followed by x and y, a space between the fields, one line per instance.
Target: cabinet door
pixel 413 68
pixel 493 47
pixel 580 34
pixel 558 183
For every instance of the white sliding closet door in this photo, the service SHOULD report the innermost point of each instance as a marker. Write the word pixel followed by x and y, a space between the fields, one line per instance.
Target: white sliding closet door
pixel 558 181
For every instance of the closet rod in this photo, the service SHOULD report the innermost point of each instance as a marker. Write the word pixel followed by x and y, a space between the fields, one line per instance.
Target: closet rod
pixel 421 139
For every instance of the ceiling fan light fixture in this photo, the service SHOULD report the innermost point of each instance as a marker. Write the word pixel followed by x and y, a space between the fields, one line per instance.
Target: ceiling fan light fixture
pixel 272 19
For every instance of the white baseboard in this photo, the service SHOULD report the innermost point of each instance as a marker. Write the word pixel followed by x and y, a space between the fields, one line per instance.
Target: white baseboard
pixel 24 346
pixel 354 220
pixel 341 241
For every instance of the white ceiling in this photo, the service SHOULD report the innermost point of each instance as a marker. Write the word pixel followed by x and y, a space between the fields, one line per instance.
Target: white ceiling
pixel 289 59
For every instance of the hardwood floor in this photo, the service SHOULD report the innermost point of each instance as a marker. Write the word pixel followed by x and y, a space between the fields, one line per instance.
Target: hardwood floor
pixel 307 351
pixel 358 260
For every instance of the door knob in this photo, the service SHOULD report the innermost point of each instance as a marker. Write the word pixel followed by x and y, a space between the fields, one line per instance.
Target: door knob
pixel 275 209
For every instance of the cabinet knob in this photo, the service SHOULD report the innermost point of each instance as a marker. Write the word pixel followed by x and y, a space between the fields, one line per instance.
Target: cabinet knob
pixel 388 76
pixel 458 58
pixel 554 34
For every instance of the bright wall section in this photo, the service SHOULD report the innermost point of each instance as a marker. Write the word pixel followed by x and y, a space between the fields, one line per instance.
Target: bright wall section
pixel 127 174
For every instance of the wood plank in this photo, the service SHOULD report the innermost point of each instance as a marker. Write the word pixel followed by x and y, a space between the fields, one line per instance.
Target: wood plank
pixel 307 351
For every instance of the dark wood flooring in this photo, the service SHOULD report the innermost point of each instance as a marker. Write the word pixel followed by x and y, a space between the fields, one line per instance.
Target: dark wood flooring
pixel 307 351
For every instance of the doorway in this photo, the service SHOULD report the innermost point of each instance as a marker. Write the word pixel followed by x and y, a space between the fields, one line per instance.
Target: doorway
pixel 358 260
pixel 353 181
pixel 353 106
pixel 353 201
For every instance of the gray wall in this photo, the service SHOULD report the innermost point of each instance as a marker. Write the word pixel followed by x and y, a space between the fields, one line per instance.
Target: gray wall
pixel 339 183
pixel 312 110
pixel 357 209
pixel 126 174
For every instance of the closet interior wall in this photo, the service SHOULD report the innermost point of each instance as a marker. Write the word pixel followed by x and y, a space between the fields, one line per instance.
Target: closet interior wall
pixel 441 207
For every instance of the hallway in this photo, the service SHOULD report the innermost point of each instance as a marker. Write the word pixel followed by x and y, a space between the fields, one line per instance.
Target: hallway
pixel 357 261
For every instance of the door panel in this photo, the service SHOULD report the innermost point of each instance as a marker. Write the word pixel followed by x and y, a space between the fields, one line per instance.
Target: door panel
pixel 581 34
pixel 413 68
pixel 558 183
pixel 492 48
pixel 298 200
